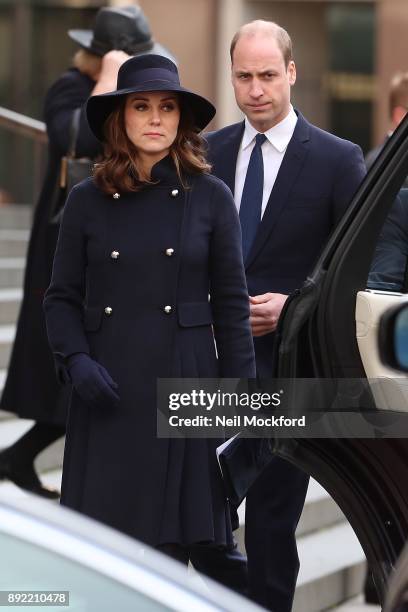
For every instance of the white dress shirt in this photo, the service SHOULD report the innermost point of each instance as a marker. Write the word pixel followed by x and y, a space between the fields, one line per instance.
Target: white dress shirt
pixel 273 150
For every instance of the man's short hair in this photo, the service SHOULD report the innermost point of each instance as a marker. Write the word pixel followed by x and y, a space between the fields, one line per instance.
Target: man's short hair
pixel 267 28
pixel 398 91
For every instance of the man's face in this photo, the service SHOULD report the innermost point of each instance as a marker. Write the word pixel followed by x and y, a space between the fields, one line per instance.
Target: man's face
pixel 261 80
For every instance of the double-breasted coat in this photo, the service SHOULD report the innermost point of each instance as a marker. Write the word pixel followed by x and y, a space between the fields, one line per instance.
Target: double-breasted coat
pixel 31 389
pixel 130 287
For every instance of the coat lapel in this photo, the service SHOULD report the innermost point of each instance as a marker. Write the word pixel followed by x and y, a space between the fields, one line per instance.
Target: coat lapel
pixel 225 160
pixel 288 172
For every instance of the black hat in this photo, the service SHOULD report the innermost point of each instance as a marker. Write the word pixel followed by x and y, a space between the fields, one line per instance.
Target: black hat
pixel 146 73
pixel 122 28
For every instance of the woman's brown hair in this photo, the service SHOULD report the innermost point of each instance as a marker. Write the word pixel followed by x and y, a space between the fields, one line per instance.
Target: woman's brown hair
pixel 120 170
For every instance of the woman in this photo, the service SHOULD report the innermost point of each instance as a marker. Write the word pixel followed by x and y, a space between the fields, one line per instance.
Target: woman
pixel 141 246
pixel 31 388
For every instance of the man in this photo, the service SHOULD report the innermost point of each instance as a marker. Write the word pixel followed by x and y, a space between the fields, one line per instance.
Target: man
pixel 292 183
pixel 389 266
pixel 398 106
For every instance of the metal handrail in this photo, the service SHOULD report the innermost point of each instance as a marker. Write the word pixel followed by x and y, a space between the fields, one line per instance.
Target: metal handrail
pixel 36 131
pixel 24 125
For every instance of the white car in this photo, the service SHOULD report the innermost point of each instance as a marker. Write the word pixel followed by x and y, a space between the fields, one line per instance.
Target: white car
pixel 47 548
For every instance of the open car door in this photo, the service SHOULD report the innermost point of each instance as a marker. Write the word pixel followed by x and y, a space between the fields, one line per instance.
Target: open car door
pixel 318 330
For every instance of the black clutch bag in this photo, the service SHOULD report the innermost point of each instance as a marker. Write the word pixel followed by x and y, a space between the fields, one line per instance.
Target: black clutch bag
pixel 74 169
pixel 241 461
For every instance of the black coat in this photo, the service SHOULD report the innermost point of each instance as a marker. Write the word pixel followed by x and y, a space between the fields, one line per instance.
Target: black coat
pixel 31 388
pixel 115 468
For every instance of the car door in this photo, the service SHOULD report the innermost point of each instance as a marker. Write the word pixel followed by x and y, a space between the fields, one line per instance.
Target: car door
pixel 368 478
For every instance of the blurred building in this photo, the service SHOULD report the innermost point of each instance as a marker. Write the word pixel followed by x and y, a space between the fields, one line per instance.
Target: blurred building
pixel 346 52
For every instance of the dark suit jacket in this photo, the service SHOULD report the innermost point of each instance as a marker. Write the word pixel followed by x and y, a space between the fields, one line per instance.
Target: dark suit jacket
pixel 316 181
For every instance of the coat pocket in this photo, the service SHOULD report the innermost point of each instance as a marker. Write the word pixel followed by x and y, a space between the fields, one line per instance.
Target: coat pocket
pixel 92 318
pixel 192 314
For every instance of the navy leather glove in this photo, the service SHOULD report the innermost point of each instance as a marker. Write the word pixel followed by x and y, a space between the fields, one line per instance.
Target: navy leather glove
pixel 92 382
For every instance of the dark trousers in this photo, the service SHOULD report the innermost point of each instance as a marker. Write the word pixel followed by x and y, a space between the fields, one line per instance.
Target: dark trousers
pixel 273 508
pixel 225 565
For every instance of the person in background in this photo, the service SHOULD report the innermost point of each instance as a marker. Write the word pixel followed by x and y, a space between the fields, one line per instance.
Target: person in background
pixel 142 245
pixel 31 388
pixel 389 266
pixel 292 182
pixel 398 106
pixel 389 271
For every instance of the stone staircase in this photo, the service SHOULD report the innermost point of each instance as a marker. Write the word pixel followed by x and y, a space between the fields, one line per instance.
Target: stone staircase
pixel 15 222
pixel 332 562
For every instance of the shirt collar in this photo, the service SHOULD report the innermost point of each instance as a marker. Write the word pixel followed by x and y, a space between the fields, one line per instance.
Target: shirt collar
pixel 279 135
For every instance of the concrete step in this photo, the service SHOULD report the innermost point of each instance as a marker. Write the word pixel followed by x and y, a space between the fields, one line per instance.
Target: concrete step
pixel 12 429
pixel 7 333
pixel 319 511
pixel 16 216
pixel 11 272
pixel 13 243
pixel 332 568
pixel 356 604
pixel 10 300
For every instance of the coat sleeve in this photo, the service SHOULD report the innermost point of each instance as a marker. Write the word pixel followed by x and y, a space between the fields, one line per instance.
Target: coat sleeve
pixel 350 172
pixel 68 93
pixel 228 290
pixel 64 299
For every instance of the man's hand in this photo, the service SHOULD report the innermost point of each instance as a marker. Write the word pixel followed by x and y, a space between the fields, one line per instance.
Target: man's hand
pixel 265 311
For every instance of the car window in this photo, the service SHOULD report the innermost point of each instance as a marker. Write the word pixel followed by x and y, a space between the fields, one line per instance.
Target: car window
pixel 27 567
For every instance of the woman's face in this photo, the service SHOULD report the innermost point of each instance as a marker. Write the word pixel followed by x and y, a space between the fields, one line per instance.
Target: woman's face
pixel 151 122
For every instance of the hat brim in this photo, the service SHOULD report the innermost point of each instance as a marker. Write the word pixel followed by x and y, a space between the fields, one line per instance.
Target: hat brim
pixel 99 107
pixel 84 39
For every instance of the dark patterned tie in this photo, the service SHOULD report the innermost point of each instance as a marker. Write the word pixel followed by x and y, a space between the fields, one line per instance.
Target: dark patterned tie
pixel 251 201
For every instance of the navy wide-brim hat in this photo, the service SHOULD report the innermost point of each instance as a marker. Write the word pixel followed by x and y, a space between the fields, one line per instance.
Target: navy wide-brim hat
pixel 146 73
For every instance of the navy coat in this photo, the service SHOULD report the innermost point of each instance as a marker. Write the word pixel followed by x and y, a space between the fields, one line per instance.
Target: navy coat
pixel 115 469
pixel 31 389
pixel 316 181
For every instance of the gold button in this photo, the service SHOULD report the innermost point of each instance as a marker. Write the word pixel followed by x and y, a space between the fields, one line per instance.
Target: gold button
pixel 167 309
pixel 116 196
pixel 169 252
pixel 108 311
pixel 114 254
pixel 174 193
